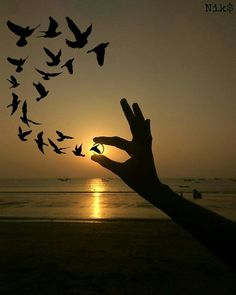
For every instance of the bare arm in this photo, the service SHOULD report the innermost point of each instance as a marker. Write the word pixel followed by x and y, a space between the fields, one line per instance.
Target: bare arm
pixel 216 232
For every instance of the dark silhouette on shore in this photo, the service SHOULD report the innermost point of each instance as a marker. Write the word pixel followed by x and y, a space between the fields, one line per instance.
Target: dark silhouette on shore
pixel 96 149
pixel 47 76
pixel 23 33
pixel 100 52
pixel 24 117
pixel 69 65
pixel 62 136
pixel 56 148
pixel 14 104
pixel 54 57
pixel 40 142
pixel 78 151
pixel 13 82
pixel 197 194
pixel 17 62
pixel 80 38
pixel 22 135
pixel 52 29
pixel 41 90
pixel 217 233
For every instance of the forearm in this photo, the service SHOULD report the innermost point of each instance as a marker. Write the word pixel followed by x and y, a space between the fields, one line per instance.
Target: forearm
pixel 216 232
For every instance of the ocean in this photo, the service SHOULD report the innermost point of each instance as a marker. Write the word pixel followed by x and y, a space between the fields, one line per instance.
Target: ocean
pixel 98 199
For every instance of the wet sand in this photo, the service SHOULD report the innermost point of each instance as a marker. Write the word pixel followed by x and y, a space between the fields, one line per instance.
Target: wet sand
pixel 115 257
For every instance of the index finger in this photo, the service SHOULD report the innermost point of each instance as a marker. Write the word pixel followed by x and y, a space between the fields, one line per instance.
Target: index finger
pixel 128 113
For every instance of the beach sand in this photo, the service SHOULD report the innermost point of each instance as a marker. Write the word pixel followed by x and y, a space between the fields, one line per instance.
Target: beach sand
pixel 115 257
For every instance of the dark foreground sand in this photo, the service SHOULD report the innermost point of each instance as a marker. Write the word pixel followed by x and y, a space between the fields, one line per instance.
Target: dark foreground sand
pixel 119 257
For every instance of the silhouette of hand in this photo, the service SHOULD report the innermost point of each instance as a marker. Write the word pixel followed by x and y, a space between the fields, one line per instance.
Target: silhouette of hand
pixel 138 172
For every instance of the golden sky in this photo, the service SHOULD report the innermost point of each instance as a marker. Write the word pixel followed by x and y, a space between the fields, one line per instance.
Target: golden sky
pixel 173 58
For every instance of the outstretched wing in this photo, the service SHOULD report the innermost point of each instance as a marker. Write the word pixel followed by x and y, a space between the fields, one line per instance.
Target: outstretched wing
pixel 40 88
pixel 72 26
pixel 52 144
pixel 59 133
pixel 88 31
pixel 20 130
pixel 40 136
pixel 40 72
pixel 13 79
pixel 24 109
pixel 26 133
pixel 18 30
pixel 13 61
pixel 53 24
pixel 49 53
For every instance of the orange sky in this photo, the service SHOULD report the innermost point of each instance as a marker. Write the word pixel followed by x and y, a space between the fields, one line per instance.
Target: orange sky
pixel 174 59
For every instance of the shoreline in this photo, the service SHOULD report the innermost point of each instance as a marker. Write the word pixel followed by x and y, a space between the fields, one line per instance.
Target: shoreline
pixel 113 257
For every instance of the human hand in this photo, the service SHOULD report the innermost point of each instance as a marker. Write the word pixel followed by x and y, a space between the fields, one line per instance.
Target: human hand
pixel 139 171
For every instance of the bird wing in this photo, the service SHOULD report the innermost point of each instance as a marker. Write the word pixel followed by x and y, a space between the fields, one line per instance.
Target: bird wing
pixel 88 31
pixel 40 88
pixel 52 144
pixel 40 136
pixel 100 56
pixel 24 109
pixel 26 133
pixel 49 53
pixel 18 30
pixel 23 61
pixel 13 79
pixel 79 150
pixel 20 130
pixel 53 74
pixel 59 54
pixel 15 97
pixel 72 26
pixel 52 25
pixel 40 72
pixel 59 133
pixel 13 61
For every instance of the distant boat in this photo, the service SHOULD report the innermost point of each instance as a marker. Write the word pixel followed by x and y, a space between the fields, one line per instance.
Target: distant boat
pixel 188 179
pixel 63 179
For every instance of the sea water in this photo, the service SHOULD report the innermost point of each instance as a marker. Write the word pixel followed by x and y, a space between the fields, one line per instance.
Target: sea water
pixel 97 199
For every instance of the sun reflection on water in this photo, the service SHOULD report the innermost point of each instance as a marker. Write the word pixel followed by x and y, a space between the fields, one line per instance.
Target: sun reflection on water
pixel 97 187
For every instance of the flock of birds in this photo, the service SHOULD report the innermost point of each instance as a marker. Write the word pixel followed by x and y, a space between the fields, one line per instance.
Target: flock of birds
pixel 80 41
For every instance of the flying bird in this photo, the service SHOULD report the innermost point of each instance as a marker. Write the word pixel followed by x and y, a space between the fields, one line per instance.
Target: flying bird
pixel 14 104
pixel 100 52
pixel 62 136
pixel 51 32
pixel 56 148
pixel 40 142
pixel 96 149
pixel 69 65
pixel 17 62
pixel 80 38
pixel 41 90
pixel 47 76
pixel 24 118
pixel 23 33
pixel 54 57
pixel 78 151
pixel 22 135
pixel 13 82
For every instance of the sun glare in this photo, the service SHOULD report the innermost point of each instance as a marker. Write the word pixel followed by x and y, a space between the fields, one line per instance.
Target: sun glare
pixel 96 186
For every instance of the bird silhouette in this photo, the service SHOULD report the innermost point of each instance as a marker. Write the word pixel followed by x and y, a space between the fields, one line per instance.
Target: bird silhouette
pixel 17 62
pixel 13 82
pixel 41 90
pixel 56 148
pixel 47 76
pixel 24 118
pixel 14 104
pixel 22 135
pixel 96 149
pixel 80 38
pixel 100 52
pixel 69 65
pixel 23 33
pixel 62 136
pixel 40 142
pixel 54 57
pixel 51 32
pixel 78 151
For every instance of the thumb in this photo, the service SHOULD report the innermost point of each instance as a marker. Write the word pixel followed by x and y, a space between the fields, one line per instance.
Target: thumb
pixel 107 163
